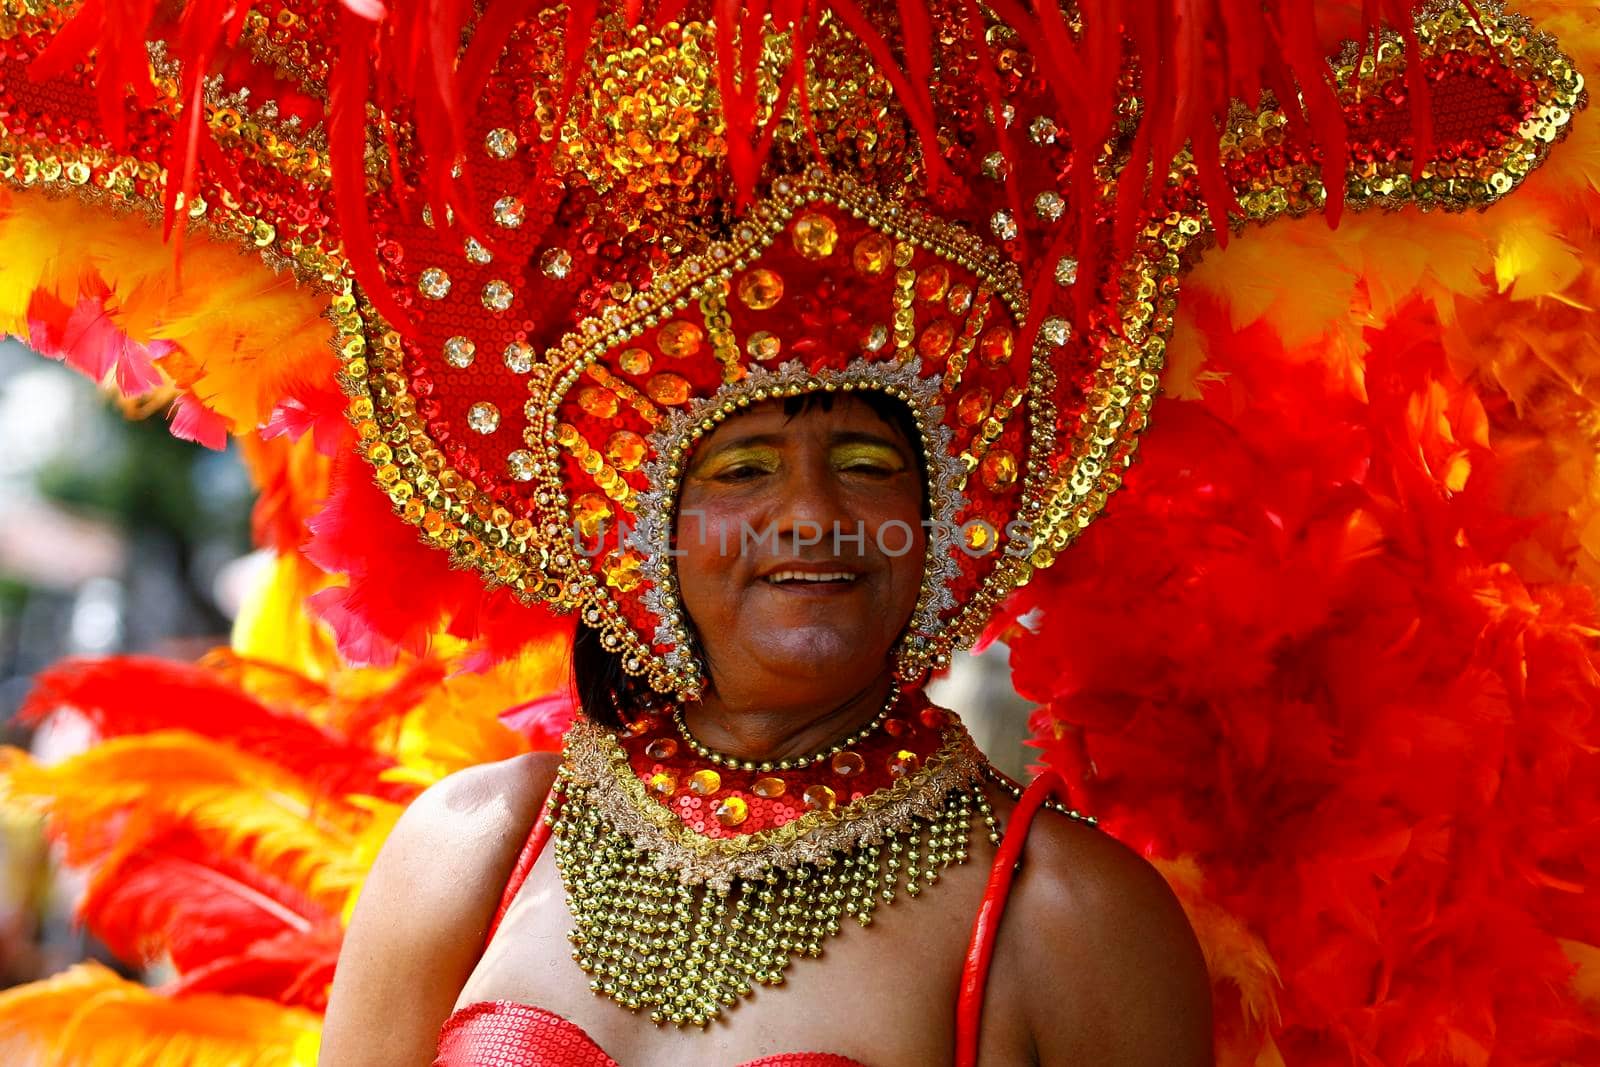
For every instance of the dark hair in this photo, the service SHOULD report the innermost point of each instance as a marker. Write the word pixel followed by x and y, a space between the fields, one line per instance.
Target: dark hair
pixel 607 693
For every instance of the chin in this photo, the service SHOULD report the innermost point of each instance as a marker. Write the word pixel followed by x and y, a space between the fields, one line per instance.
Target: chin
pixel 816 653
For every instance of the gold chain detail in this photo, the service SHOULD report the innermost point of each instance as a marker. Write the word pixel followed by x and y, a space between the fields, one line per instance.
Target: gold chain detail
pixel 793 764
pixel 649 940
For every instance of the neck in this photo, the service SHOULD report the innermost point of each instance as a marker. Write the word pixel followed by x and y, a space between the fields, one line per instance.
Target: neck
pixel 750 730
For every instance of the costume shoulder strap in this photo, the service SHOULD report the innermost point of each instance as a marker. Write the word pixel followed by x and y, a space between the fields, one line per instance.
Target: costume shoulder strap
pixel 980 950
pixel 525 861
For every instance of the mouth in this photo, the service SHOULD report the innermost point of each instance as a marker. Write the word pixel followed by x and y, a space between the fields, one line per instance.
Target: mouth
pixel 811 580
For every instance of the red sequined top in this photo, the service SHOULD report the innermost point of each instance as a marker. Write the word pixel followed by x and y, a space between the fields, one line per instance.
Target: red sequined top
pixel 503 1033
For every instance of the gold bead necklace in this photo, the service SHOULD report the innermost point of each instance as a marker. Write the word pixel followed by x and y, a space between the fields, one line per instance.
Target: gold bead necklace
pixel 794 763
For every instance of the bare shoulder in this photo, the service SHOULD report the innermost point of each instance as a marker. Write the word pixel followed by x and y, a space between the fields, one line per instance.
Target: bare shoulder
pixel 424 910
pixel 1112 971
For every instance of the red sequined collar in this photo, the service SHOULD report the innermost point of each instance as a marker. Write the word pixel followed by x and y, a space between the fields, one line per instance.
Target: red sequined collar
pixel 724 802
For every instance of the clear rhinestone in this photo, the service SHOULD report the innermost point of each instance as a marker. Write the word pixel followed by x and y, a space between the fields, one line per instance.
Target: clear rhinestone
pixel 458 352
pixel 520 466
pixel 877 337
pixel 497 295
pixel 427 215
pixel 1049 205
pixel 555 263
pixel 519 357
pixel 500 143
pixel 476 252
pixel 1005 227
pixel 1055 330
pixel 434 284
pixel 483 417
pixel 1066 271
pixel 994 166
pixel 508 212
pixel 1042 130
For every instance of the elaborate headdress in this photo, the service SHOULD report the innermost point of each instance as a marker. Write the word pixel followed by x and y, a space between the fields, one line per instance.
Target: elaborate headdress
pixel 556 244
pixel 562 252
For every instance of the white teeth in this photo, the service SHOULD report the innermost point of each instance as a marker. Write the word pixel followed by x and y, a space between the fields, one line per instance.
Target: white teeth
pixel 808 576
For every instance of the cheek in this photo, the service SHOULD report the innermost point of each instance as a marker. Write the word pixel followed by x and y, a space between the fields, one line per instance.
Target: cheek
pixel 707 540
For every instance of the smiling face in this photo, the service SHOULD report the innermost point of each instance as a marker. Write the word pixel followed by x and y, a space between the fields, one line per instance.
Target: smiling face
pixel 790 604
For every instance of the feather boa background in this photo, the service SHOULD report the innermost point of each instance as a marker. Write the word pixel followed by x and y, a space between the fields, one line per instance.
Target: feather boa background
pixel 1330 659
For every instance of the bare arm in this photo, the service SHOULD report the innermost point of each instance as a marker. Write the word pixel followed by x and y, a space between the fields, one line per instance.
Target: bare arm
pixel 419 924
pixel 1113 973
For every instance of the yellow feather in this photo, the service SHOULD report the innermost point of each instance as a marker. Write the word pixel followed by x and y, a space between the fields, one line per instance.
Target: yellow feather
pixel 273 625
pixel 89 1017
pixel 239 805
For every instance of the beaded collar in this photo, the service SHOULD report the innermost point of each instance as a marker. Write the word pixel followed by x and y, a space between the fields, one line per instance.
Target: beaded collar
pixel 690 882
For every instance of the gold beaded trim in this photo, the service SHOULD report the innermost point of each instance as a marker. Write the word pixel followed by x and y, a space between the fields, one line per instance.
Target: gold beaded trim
pixel 595 761
pixel 651 941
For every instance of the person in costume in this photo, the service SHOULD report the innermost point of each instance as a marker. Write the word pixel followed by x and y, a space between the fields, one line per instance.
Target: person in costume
pixel 613 286
pixel 706 848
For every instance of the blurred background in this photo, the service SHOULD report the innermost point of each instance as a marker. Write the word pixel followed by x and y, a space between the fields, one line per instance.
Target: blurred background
pixel 116 537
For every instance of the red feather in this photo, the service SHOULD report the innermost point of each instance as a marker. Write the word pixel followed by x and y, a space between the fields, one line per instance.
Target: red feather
pixel 131 695
pixel 176 897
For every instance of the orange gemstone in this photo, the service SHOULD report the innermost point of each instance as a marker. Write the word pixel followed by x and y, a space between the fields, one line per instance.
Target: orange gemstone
pixel 704 782
pixel 903 763
pixel 732 811
pixel 601 403
pixel 625 449
pixel 763 345
pixel 815 235
pixel 661 748
pixel 978 536
pixel 622 570
pixel 760 289
pixel 590 511
pixel 820 798
pixel 668 389
pixel 936 339
pixel 680 339
pixel 997 344
pixel 642 725
pixel 933 282
pixel 873 254
pixel 634 361
pixel 973 407
pixel 846 764
pixel 934 718
pixel 998 470
pixel 895 727
pixel 662 785
pixel 959 299
pixel 770 788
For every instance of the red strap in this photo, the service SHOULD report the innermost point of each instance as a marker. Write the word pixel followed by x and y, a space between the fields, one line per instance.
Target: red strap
pixel 530 853
pixel 975 975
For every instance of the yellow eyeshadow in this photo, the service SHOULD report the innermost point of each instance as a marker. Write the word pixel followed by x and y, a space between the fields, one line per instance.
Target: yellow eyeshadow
pixel 866 453
pixel 762 457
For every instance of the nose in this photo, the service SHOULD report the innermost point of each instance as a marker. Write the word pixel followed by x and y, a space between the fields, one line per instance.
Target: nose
pixel 810 507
